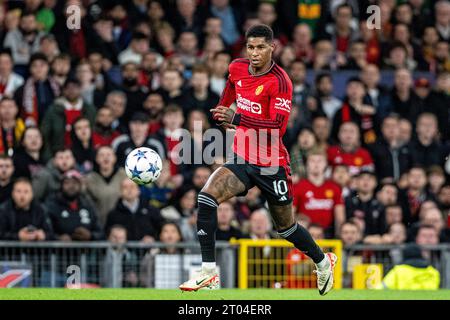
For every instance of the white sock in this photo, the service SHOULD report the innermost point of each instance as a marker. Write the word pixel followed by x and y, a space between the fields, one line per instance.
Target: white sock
pixel 209 266
pixel 324 264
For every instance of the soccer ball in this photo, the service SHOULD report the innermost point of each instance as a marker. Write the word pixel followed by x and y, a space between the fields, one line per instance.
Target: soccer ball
pixel 143 165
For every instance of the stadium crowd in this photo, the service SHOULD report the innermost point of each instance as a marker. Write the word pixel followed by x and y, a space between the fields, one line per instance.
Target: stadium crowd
pixel 370 164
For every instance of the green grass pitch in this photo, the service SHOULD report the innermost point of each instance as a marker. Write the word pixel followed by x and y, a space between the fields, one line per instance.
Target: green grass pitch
pixel 224 294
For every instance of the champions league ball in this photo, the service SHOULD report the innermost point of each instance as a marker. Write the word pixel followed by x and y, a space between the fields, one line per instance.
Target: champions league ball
pixel 143 165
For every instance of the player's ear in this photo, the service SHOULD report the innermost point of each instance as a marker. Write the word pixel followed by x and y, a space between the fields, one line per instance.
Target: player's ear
pixel 272 45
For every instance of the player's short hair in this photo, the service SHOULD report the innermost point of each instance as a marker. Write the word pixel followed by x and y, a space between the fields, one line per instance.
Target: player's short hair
pixel 260 31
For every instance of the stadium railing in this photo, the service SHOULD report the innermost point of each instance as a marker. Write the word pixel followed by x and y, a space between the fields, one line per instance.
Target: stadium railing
pixel 102 264
pixel 244 263
pixel 365 265
pixel 275 263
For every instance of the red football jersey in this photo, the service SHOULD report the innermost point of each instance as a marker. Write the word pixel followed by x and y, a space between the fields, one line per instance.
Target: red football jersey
pixel 317 202
pixel 263 107
pixel 355 161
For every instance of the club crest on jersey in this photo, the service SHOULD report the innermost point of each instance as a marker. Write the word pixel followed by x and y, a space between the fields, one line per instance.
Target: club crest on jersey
pixel 283 104
pixel 259 90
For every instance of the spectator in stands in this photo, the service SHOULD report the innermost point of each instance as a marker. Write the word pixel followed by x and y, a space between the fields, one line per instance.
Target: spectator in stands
pixel 49 47
pixel 246 205
pixel 373 46
pixel 103 183
pixel 357 57
pixel 350 233
pixel 89 91
pixel 356 110
pixel 306 142
pixel 103 38
pixel 153 106
pixel 200 176
pixel 170 234
pixel 48 181
pixel 138 137
pixel 128 273
pixel 28 159
pixel 116 101
pixel 321 126
pixel 397 58
pixel 363 205
pixel 119 16
pixel 22 218
pixel 325 57
pixel 141 220
pixel 405 134
pixel 393 214
pixel 426 148
pixel 6 175
pixel 301 90
pixel 82 145
pixel 72 215
pixel 11 126
pixel 226 230
pixel 422 88
pixel 23 41
pixel 171 86
pixel 427 235
pixel 135 93
pixel 442 57
pixel 316 231
pixel 341 175
pixel 343 31
pixel 436 179
pixel 38 92
pixel 444 198
pixel 173 121
pixel 387 194
pixel 183 211
pixel 61 115
pixel 318 198
pixel 9 80
pixel 349 152
pixel 103 133
pixel 377 93
pixel 165 36
pixel 414 273
pixel 434 217
pixel 138 46
pixel 391 158
pixel 324 95
pixel 442 13
pixel 396 234
pixel 416 192
pixel 187 49
pixel 260 225
pixel 404 100
pixel 219 70
pixel 60 68
pixel 199 95
pixel 231 18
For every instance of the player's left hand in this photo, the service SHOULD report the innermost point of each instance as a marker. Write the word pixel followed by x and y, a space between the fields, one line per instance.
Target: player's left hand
pixel 222 114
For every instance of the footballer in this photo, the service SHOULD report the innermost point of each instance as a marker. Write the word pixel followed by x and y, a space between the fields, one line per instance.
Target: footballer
pixel 263 94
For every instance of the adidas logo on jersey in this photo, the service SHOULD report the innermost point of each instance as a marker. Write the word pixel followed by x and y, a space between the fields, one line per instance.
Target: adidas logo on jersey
pixel 201 232
pixel 283 198
pixel 239 83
